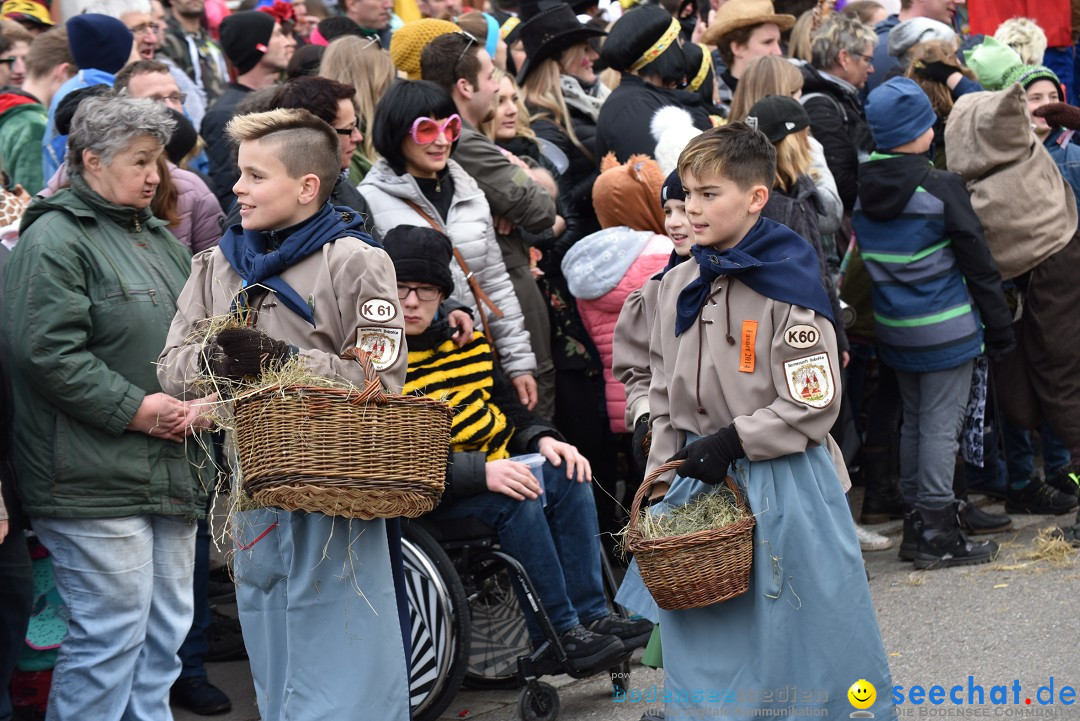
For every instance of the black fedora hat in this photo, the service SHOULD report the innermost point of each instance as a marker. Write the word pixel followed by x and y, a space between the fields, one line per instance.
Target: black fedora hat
pixel 548 33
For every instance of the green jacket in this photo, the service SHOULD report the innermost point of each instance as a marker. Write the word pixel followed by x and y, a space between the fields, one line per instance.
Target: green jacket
pixel 89 294
pixel 22 126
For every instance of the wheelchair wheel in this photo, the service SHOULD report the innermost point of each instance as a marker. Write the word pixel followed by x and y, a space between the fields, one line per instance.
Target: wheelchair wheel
pixel 438 614
pixel 538 702
pixel 498 635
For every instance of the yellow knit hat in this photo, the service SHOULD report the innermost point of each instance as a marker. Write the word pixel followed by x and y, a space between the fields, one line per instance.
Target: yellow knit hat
pixel 410 39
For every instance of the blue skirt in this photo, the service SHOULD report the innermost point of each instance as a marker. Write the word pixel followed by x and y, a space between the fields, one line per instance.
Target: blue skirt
pixel 804 632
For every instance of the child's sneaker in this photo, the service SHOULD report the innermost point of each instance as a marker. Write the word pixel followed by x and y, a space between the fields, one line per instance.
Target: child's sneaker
pixel 1066 480
pixel 870 541
pixel 1040 499
pixel 633 632
pixel 586 650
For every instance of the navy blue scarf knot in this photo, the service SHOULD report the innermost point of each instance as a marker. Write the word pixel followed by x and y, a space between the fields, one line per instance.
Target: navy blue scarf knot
pixel 771 259
pixel 246 251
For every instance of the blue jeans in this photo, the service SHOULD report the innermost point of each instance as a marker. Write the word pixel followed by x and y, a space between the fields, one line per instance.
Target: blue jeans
pixel 197 644
pixel 934 406
pixel 559 546
pixel 1020 454
pixel 126 583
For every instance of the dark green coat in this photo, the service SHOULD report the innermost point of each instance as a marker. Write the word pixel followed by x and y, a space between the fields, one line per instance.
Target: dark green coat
pixel 89 293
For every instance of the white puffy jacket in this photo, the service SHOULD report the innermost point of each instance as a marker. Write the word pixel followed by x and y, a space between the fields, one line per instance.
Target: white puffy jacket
pixel 469 226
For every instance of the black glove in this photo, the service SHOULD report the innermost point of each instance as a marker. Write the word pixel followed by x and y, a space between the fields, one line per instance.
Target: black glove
pixel 238 353
pixel 1059 115
pixel 642 441
pixel 999 342
pixel 707 459
pixel 937 71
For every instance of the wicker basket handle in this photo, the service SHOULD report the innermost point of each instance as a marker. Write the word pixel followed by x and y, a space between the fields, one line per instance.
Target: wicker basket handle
pixel 650 481
pixel 372 392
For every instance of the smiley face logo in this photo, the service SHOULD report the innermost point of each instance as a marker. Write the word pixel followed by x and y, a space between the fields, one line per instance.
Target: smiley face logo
pixel 862 694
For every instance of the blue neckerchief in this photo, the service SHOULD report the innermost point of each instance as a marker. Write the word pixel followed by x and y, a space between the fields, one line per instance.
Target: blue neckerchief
pixel 246 251
pixel 771 259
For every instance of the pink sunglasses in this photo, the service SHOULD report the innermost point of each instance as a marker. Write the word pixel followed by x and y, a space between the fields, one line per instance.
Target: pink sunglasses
pixel 426 131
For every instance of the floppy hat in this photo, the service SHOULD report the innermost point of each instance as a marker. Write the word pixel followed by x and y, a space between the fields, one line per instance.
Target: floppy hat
pixel 736 14
pixel 548 33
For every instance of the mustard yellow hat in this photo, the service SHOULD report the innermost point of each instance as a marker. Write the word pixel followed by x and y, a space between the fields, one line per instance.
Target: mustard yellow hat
pixel 410 39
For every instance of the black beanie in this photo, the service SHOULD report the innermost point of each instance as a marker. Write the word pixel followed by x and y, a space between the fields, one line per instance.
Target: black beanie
pixel 99 42
pixel 65 111
pixel 183 138
pixel 244 37
pixel 421 255
pixel 672 189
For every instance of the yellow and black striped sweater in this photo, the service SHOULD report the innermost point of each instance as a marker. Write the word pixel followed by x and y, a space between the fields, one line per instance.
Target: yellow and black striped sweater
pixel 463 378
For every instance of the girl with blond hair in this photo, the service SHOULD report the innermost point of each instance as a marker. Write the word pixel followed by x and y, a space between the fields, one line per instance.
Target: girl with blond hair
pixel 776 76
pixel 358 62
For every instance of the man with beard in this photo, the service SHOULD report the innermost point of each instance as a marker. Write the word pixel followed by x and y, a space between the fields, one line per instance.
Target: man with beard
pixel 188 43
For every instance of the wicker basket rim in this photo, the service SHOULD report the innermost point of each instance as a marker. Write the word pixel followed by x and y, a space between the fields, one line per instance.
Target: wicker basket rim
pixel 292 390
pixel 636 542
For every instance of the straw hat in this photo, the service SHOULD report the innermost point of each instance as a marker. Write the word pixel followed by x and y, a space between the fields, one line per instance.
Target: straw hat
pixel 736 14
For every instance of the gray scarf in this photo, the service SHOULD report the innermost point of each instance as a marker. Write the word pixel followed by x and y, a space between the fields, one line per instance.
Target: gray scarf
pixel 587 101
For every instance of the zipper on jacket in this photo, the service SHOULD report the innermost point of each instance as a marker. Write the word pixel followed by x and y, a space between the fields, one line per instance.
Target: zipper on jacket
pixel 121 293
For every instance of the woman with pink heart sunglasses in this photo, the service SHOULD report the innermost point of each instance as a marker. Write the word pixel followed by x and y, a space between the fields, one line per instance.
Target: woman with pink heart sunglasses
pixel 416 182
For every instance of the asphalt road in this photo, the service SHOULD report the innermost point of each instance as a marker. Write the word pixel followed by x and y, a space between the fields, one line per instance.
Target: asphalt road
pixel 1013 620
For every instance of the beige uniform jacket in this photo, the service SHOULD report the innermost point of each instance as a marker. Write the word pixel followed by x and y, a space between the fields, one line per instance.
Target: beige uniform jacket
pixel 352 287
pixel 779 382
pixel 630 353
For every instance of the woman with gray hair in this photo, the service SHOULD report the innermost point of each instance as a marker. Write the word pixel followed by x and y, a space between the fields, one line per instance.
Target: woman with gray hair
pixel 111 488
pixel 842 56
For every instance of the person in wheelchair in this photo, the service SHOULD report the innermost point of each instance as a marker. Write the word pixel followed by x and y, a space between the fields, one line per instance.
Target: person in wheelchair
pixel 551 529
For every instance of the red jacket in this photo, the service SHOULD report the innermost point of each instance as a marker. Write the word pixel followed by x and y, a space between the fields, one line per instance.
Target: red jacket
pixel 1053 16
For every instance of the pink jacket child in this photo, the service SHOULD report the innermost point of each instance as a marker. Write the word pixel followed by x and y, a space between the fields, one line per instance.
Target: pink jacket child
pixel 601 270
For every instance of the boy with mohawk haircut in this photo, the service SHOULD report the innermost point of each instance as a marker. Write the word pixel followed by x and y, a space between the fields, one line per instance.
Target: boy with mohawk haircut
pixel 316 594
pixel 746 383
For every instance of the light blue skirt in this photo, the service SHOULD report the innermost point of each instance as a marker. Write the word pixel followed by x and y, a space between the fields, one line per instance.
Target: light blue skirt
pixel 804 632
pixel 316 600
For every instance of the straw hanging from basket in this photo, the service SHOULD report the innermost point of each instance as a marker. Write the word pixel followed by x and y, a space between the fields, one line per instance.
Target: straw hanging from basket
pixel 696 569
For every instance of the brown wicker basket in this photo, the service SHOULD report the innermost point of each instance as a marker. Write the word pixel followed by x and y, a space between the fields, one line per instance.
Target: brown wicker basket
pixel 343 452
pixel 697 569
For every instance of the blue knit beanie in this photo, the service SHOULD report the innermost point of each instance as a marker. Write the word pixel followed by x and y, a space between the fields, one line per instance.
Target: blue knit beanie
pixel 898 112
pixel 99 42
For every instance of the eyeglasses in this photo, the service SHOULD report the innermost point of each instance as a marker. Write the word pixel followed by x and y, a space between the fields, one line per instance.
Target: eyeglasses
pixel 423 292
pixel 8 61
pixel 426 131
pixel 868 58
pixel 472 41
pixel 179 98
pixel 145 27
pixel 349 130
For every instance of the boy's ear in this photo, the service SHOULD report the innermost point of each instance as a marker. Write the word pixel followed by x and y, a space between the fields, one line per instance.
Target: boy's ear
pixel 759 196
pixel 309 189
